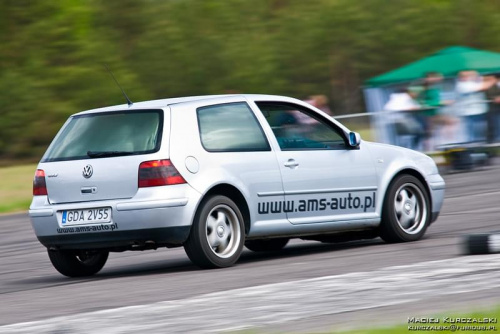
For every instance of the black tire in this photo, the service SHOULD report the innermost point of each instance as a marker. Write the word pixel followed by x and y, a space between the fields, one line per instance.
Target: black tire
pixel 78 263
pixel 228 230
pixel 266 245
pixel 477 244
pixel 398 209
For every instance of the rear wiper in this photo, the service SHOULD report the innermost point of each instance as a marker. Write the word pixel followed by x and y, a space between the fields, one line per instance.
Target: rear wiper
pixel 103 154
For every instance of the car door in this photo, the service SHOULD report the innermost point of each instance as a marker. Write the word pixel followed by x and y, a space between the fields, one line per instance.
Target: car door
pixel 228 144
pixel 324 179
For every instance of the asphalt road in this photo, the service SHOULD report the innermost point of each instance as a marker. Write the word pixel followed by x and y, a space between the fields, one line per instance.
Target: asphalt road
pixel 30 289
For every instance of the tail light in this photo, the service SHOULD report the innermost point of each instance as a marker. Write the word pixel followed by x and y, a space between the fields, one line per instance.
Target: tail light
pixel 39 185
pixel 158 173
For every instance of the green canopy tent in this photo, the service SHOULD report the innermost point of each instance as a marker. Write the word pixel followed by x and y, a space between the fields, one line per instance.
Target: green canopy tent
pixel 448 62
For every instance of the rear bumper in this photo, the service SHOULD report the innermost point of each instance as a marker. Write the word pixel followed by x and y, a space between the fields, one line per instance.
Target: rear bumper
pixel 120 206
pixel 138 223
pixel 119 240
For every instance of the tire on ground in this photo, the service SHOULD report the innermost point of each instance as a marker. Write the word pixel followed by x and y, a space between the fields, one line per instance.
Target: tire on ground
pixel 477 244
pixel 78 263
pixel 217 235
pixel 406 211
pixel 266 245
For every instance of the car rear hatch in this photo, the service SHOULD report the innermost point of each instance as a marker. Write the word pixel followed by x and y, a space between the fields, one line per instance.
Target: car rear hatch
pixel 96 156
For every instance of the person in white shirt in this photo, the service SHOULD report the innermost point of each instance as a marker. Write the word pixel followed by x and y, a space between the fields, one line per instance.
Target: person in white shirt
pixel 404 123
pixel 471 105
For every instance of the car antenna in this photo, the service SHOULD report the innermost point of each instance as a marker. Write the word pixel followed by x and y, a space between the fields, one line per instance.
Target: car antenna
pixel 124 94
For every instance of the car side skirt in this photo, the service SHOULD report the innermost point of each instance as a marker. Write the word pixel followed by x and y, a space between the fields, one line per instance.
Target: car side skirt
pixel 283 228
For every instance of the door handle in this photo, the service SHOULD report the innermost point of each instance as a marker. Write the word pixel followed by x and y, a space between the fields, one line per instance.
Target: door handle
pixel 291 163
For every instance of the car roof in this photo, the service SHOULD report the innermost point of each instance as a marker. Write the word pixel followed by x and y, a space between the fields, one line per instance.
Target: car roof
pixel 157 104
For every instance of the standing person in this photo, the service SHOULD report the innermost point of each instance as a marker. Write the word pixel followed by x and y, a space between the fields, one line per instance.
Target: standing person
pixel 432 116
pixel 493 115
pixel 404 124
pixel 430 96
pixel 320 102
pixel 471 103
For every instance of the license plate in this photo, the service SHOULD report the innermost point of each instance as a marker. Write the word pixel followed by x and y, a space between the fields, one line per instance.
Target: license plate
pixel 86 216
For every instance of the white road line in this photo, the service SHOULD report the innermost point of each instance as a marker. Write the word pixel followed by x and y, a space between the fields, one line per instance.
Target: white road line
pixel 282 302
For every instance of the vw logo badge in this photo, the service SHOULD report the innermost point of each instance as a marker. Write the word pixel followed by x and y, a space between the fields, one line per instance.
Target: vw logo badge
pixel 87 171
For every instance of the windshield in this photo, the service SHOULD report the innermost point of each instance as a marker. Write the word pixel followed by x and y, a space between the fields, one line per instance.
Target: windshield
pixel 116 133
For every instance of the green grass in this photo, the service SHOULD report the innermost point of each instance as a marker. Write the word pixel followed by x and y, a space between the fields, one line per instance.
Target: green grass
pixel 16 185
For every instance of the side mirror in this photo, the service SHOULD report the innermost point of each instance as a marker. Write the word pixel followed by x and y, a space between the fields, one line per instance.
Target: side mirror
pixel 354 139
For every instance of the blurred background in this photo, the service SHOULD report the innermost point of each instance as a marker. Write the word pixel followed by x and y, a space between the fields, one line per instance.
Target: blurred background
pixel 52 54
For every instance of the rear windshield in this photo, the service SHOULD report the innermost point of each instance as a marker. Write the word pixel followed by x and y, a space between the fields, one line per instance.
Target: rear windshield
pixel 116 133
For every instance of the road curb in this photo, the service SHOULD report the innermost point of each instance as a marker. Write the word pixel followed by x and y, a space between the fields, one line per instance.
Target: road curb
pixel 482 243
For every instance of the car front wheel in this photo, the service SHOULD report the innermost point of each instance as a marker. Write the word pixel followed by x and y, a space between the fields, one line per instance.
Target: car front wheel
pixel 217 235
pixel 406 212
pixel 78 263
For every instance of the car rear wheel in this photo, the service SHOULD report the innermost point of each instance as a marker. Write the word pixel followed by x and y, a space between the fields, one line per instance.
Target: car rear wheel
pixel 406 213
pixel 217 235
pixel 78 263
pixel 266 245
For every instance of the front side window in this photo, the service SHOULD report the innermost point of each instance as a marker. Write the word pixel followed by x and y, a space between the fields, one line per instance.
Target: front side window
pixel 230 127
pixel 297 128
pixel 106 134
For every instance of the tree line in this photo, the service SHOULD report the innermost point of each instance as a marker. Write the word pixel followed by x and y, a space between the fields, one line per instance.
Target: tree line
pixel 52 52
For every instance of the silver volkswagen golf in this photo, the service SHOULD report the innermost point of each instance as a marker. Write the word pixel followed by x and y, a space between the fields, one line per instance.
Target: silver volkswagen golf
pixel 216 173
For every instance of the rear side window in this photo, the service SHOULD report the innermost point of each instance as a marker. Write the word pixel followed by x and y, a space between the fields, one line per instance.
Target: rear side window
pixel 230 127
pixel 108 134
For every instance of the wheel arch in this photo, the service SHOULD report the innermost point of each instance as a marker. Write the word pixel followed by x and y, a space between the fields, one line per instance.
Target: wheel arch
pixel 235 195
pixel 418 175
